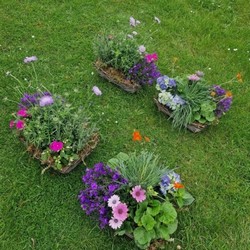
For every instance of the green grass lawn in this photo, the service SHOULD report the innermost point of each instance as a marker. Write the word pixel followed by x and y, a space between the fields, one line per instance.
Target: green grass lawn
pixel 42 211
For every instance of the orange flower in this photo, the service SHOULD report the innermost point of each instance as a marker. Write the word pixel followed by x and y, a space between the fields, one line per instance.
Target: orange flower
pixel 239 77
pixel 146 139
pixel 229 94
pixel 213 93
pixel 137 136
pixel 178 185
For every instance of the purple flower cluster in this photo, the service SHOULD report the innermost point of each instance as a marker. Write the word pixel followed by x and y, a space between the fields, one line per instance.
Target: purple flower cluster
pixel 144 72
pixel 29 100
pixel 165 82
pixel 168 180
pixel 101 182
pixel 223 106
pixel 219 90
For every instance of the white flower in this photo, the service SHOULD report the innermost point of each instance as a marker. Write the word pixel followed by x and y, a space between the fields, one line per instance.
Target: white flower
pixel 134 33
pixel 113 201
pixel 142 49
pixel 129 36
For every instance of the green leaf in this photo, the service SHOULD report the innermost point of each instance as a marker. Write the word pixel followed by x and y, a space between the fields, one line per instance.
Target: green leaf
pixel 148 221
pixel 169 213
pixel 172 227
pixel 118 159
pixel 187 199
pixel 163 232
pixel 153 210
pixel 140 235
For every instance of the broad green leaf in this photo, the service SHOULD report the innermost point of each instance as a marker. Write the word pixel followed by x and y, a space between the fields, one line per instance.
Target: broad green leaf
pixel 187 199
pixel 169 213
pixel 163 232
pixel 141 236
pixel 172 227
pixel 148 221
pixel 154 210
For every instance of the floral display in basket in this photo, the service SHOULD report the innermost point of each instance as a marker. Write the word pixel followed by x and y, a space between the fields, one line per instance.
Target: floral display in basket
pixel 54 131
pixel 122 61
pixel 190 102
pixel 135 195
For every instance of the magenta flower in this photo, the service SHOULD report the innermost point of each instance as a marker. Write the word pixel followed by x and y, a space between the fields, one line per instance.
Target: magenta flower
pixel 22 113
pixel 194 78
pixel 46 100
pixel 142 49
pixel 151 57
pixel 115 223
pixel 56 146
pixel 113 201
pixel 120 212
pixel 96 90
pixel 12 123
pixel 30 59
pixel 138 193
pixel 20 125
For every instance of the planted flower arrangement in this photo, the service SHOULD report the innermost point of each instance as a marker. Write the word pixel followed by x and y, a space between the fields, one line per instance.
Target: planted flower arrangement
pixel 123 62
pixel 135 195
pixel 190 102
pixel 54 132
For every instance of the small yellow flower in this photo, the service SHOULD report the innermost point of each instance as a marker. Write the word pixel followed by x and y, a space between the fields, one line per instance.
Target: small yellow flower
pixel 239 77
pixel 228 94
pixel 213 93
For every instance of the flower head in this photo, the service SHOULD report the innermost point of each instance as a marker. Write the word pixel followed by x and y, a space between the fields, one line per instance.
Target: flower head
pixel 115 223
pixel 22 113
pixel 178 185
pixel 199 73
pixel 151 57
pixel 56 146
pixel 137 136
pixel 194 78
pixel 30 59
pixel 46 100
pixel 113 201
pixel 239 77
pixel 96 90
pixel 138 193
pixel 142 49
pixel 12 123
pixel 120 212
pixel 20 125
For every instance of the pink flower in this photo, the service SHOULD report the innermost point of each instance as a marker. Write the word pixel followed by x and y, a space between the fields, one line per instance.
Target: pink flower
pixel 138 193
pixel 96 90
pixel 120 212
pixel 115 223
pixel 12 123
pixel 142 49
pixel 30 59
pixel 113 201
pixel 20 125
pixel 151 57
pixel 194 77
pixel 46 100
pixel 56 146
pixel 22 113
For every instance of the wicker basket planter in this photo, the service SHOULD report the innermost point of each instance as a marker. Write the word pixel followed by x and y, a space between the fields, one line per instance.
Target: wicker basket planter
pixel 116 77
pixel 89 147
pixel 194 127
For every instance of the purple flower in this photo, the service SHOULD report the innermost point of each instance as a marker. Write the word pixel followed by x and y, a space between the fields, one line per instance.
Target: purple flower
pixel 96 91
pixel 30 59
pixel 178 100
pixel 223 106
pixel 46 101
pixel 133 22
pixel 219 90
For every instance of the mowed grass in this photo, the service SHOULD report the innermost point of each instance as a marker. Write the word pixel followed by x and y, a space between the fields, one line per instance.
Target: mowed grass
pixel 42 211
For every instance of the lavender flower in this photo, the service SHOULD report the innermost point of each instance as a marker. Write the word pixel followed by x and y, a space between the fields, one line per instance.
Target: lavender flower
pixel 164 82
pixel 178 100
pixel 219 90
pixel 194 78
pixel 30 59
pixel 46 101
pixel 223 106
pixel 142 49
pixel 96 90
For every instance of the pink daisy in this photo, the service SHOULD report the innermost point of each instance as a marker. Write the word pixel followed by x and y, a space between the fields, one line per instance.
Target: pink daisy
pixel 20 125
pixel 12 123
pixel 56 146
pixel 115 223
pixel 22 113
pixel 113 201
pixel 120 212
pixel 138 193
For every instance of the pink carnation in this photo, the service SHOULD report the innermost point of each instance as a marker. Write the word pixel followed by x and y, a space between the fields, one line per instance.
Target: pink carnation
pixel 20 125
pixel 22 113
pixel 138 193
pixel 56 146
pixel 151 57
pixel 120 212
